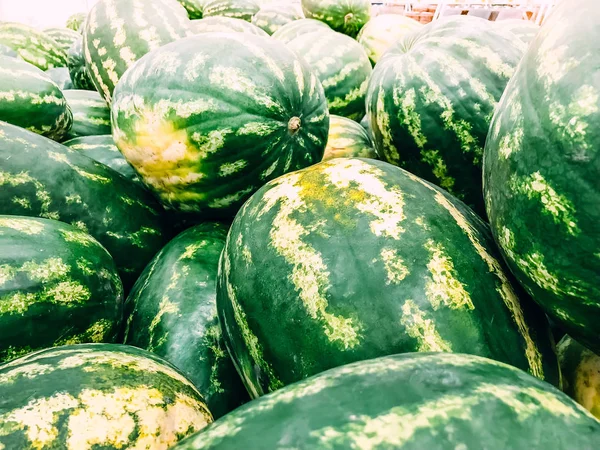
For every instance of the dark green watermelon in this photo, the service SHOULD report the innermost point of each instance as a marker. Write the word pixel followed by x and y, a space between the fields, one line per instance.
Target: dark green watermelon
pixel 297 28
pixel 237 9
pixel 33 46
pixel 91 116
pixel 80 76
pixel 64 37
pixel 218 24
pixel 61 76
pixel 345 16
pixel 272 17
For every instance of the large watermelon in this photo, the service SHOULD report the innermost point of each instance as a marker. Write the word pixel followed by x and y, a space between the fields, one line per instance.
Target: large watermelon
pixel 542 161
pixel 119 32
pixel 409 402
pixel 80 76
pixel 75 21
pixel 40 178
pixel 432 96
pixel 64 37
pixel 525 30
pixel 103 149
pixel 237 9
pixel 60 76
pixel 272 17
pixel 343 67
pixel 172 312
pixel 226 114
pixel 297 28
pixel 30 99
pixel 347 139
pixel 34 46
pixel 219 24
pixel 382 31
pixel 96 396
pixel 194 8
pixel 352 259
pixel 58 286
pixel 91 116
pixel 345 16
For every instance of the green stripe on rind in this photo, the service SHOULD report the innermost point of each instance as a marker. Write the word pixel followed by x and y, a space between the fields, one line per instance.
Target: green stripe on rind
pixel 237 9
pixel 382 31
pixel 347 139
pixel 272 17
pixel 218 24
pixel 96 395
pixel 64 37
pixel 80 76
pixel 57 285
pixel 32 45
pixel 409 402
pixel 297 28
pixel 345 16
pixel 91 116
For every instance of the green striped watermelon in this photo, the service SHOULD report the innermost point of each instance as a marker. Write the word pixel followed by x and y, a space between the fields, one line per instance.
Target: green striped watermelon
pixel 96 396
pixel 525 30
pixel 75 21
pixel 347 139
pixel 272 17
pixel 91 116
pixel 60 76
pixel 342 66
pixel 5 50
pixel 194 8
pixel 58 286
pixel 432 96
pixel 541 171
pixel 32 45
pixel 409 402
pixel 297 28
pixel 207 120
pixel 64 37
pixel 80 76
pixel 119 32
pixel 219 24
pixel 40 178
pixel 237 9
pixel 366 260
pixel 345 16
pixel 172 312
pixel 30 99
pixel 103 149
pixel 382 31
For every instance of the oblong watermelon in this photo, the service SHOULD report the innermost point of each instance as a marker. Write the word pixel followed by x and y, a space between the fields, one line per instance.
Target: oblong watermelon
pixel 119 33
pixel 58 286
pixel 64 37
pixel 229 112
pixel 33 46
pixel 80 76
pixel 272 17
pixel 409 402
pixel 40 178
pixel 432 96
pixel 382 31
pixel 218 24
pixel 297 28
pixel 172 312
pixel 525 30
pixel 366 260
pixel 541 169
pixel 91 116
pixel 237 9
pixel 75 21
pixel 30 99
pixel 343 67
pixel 194 8
pixel 347 139
pixel 60 76
pixel 96 396
pixel 345 16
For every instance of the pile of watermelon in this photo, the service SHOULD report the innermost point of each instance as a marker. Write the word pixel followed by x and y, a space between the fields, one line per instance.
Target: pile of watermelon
pixel 310 225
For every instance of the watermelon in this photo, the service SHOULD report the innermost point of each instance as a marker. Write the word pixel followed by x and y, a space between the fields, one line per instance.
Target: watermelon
pixel 30 99
pixel 103 149
pixel 409 402
pixel 237 9
pixel 91 116
pixel 34 46
pixel 525 30
pixel 219 24
pixel 432 96
pixel 345 16
pixel 541 171
pixel 75 21
pixel 80 76
pixel 581 374
pixel 207 120
pixel 92 396
pixel 119 32
pixel 194 8
pixel 366 260
pixel 41 178
pixel 380 33
pixel 64 37
pixel 5 50
pixel 272 17
pixel 343 67
pixel 297 28
pixel 172 312
pixel 58 286
pixel 60 76
pixel 347 139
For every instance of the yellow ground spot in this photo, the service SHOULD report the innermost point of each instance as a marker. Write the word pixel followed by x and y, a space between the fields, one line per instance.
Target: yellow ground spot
pixel 586 386
pixel 394 266
pixel 422 328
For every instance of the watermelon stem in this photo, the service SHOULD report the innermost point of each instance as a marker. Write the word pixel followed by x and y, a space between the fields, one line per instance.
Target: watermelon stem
pixel 294 125
pixel 348 18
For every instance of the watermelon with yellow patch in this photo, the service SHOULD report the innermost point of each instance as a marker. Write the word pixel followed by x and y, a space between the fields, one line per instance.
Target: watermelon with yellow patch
pixel 218 24
pixel 347 139
pixel 380 33
pixel 365 260
pixel 34 46
pixel 88 396
pixel 345 16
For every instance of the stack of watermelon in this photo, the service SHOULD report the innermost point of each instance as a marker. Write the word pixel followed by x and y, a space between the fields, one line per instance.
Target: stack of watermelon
pixel 317 226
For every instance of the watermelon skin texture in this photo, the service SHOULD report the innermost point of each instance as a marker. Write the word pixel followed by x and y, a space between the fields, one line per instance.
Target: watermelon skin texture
pixel 380 33
pixel 75 21
pixel 410 402
pixel 64 37
pixel 540 172
pixel 194 8
pixel 41 178
pixel 32 45
pixel 58 285
pixel 105 396
pixel 91 116
pixel 343 67
pixel 347 139
pixel 366 260
pixel 119 32
pixel 218 24
pixel 345 16
pixel 30 99
pixel 61 76
pixel 272 17
pixel 236 9
pixel 80 76
pixel 448 79
pixel 292 30
pixel 208 120
pixel 525 30
pixel 172 312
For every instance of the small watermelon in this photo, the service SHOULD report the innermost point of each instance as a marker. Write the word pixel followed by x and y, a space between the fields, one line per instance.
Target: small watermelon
pixel 91 116
pixel 347 139
pixel 75 21
pixel 297 28
pixel 80 77
pixel 345 16
pixel 380 33
pixel 64 37
pixel 219 24
pixel 272 17
pixel 237 9
pixel 32 45
pixel 61 76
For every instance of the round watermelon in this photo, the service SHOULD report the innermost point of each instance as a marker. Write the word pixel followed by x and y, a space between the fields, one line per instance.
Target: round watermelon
pixel 219 24
pixel 80 77
pixel 34 46
pixel 345 16
pixel 297 28
pixel 229 112
pixel 382 31
pixel 347 139
pixel 64 37
pixel 237 9
pixel 91 116
pixel 272 17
